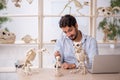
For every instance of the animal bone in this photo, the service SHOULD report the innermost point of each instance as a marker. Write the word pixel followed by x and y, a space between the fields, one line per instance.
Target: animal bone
pixel 78 5
pixel 28 39
pixel 106 32
pixel 57 66
pixel 106 11
pixel 7 37
pixel 29 1
pixel 82 57
pixel 30 56
pixel 17 2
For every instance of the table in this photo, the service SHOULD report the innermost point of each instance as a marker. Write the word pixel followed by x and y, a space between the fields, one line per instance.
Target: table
pixel 49 74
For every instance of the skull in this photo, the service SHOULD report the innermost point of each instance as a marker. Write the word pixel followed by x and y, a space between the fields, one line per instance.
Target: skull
pixel 7 37
pixel 77 46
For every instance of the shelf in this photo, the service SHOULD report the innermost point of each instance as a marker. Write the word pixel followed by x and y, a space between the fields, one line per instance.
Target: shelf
pixel 110 42
pixel 12 69
pixel 62 15
pixel 7 69
pixel 20 44
pixel 18 15
pixel 51 44
pixel 48 43
pixel 107 16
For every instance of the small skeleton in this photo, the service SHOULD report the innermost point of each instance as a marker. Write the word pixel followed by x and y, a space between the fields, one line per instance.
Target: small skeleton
pixel 29 1
pixel 106 32
pixel 106 11
pixel 116 8
pixel 28 39
pixel 17 2
pixel 57 66
pixel 78 5
pixel 43 50
pixel 81 57
pixel 3 2
pixel 31 54
pixel 53 41
pixel 26 64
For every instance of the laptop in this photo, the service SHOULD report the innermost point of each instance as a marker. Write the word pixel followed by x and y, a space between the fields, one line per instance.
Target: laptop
pixel 105 64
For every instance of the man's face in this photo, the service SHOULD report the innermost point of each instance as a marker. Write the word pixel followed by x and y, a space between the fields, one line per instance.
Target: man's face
pixel 71 32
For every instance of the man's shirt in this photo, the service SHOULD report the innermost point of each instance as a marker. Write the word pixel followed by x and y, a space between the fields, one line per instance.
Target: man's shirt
pixel 65 46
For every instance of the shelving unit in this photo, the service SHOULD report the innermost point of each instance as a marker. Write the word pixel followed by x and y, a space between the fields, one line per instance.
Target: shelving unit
pixel 24 20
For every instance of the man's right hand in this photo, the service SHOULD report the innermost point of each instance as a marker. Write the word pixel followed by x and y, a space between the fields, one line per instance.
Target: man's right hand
pixel 57 54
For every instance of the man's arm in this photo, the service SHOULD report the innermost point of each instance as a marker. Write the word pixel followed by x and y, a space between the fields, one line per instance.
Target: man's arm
pixel 92 51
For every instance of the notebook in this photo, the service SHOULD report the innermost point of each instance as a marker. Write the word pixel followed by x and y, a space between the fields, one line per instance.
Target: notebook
pixel 105 64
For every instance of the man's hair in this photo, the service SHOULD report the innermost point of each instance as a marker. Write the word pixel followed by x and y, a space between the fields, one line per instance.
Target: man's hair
pixel 67 20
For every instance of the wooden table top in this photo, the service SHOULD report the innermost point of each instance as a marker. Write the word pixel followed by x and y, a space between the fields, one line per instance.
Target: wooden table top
pixel 49 74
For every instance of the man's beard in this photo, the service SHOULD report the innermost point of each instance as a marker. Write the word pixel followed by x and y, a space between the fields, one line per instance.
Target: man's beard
pixel 73 37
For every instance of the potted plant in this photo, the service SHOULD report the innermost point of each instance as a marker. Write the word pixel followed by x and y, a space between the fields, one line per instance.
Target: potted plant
pixel 110 25
pixel 6 37
pixel 3 19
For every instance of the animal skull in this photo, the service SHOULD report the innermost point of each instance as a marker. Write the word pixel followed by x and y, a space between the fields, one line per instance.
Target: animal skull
pixel 7 37
pixel 28 39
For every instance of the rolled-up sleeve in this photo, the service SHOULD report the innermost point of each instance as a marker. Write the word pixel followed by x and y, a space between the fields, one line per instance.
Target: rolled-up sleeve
pixel 92 50
pixel 59 48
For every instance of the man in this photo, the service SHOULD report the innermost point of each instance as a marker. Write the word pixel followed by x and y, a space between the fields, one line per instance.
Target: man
pixel 64 45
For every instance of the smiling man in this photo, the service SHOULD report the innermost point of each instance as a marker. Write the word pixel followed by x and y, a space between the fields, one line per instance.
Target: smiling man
pixel 64 45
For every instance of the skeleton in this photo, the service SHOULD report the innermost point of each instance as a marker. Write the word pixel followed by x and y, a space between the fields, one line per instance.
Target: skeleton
pixel 28 39
pixel 53 41
pixel 106 32
pixel 3 2
pixel 81 58
pixel 17 2
pixel 78 5
pixel 106 11
pixel 29 1
pixel 7 37
pixel 116 8
pixel 30 56
pixel 57 66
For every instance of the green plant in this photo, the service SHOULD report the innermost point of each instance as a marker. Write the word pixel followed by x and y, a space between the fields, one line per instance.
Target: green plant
pixel 115 3
pixel 113 22
pixel 3 6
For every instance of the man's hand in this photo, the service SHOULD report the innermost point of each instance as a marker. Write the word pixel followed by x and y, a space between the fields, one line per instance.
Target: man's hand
pixel 65 65
pixel 58 59
pixel 68 66
pixel 57 54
